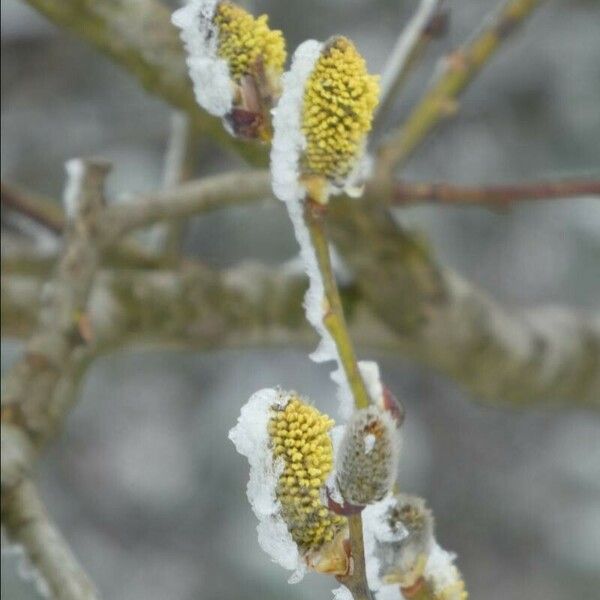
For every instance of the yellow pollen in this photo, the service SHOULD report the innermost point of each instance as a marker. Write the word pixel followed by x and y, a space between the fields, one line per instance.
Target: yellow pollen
pixel 339 100
pixel 306 469
pixel 247 43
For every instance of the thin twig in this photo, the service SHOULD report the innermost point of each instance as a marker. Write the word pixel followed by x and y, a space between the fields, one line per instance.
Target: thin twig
pixel 210 193
pixel 178 168
pixel 459 69
pixel 29 526
pixel 491 196
pixel 410 43
pixel 41 210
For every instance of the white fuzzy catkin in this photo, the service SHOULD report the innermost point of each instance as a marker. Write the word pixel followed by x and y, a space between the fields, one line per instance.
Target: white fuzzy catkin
pixel 209 72
pixel 251 439
pixel 366 463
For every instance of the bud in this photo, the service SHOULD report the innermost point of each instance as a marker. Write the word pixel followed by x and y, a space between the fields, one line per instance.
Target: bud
pixel 235 62
pixel 322 120
pixel 367 459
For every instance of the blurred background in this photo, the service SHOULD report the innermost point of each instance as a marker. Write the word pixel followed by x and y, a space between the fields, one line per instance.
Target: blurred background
pixel 144 482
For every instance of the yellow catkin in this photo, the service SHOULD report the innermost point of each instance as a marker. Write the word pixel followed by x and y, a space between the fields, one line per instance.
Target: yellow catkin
pixel 299 435
pixel 339 101
pixel 245 41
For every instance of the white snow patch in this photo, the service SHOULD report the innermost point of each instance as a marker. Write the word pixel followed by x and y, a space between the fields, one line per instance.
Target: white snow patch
pixel 336 435
pixel 342 593
pixel 209 73
pixel 440 568
pixel 288 139
pixel 251 439
pixel 369 371
pixel 75 169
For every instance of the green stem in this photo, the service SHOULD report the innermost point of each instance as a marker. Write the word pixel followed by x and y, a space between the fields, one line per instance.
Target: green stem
pixel 335 323
pixel 334 319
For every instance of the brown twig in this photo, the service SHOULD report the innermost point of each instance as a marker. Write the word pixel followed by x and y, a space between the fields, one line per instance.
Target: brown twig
pixel 41 210
pixel 491 196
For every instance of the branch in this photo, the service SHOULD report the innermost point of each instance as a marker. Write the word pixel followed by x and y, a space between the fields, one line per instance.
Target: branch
pixel 34 391
pixel 459 69
pixel 544 356
pixel 37 208
pixel 46 212
pixel 411 43
pixel 207 194
pixel 491 196
pixel 414 284
pixel 28 525
pixel 178 168
pixel 508 358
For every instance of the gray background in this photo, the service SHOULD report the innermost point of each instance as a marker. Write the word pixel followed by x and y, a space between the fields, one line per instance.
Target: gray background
pixel 144 482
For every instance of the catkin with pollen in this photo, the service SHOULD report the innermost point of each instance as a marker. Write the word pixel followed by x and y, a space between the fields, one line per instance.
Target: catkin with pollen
pixel 299 436
pixel 339 100
pixel 245 40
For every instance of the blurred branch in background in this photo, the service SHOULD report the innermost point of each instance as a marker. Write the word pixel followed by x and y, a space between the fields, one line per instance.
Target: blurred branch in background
pixel 38 390
pixel 33 391
pixel 428 22
pixel 179 167
pixel 518 358
pixel 29 526
pixel 456 72
pixel 541 356
pixel 492 196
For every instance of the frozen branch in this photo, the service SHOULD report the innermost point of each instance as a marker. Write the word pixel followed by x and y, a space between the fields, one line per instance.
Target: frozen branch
pixel 197 197
pixel 35 390
pixel 415 286
pixel 524 358
pixel 29 527
pixel 492 196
